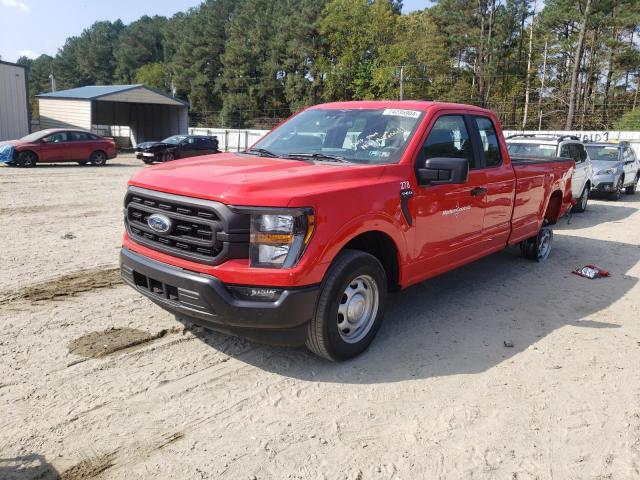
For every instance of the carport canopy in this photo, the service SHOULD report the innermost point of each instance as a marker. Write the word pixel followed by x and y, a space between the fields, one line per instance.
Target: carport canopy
pixel 110 109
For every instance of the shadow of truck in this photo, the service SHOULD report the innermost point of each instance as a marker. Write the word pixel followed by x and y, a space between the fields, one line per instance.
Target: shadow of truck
pixel 456 323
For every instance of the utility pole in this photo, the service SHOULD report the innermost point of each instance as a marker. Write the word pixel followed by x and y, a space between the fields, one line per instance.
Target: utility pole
pixel 401 82
pixel 53 82
pixel 544 72
pixel 528 83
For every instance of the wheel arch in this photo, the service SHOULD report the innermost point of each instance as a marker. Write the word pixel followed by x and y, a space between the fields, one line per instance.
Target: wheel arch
pixel 383 247
pixel 554 205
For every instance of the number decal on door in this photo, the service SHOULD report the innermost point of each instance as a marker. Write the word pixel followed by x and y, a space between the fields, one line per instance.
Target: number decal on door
pixel 405 185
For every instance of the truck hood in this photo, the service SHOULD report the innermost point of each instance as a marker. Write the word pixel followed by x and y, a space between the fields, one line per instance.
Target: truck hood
pixel 237 179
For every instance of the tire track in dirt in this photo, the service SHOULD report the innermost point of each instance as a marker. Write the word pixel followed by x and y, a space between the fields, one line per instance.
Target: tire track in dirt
pixel 64 286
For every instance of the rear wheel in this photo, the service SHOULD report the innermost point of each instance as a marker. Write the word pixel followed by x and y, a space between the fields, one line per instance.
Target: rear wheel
pixel 350 307
pixel 27 159
pixel 98 158
pixel 631 189
pixel 538 248
pixel 581 206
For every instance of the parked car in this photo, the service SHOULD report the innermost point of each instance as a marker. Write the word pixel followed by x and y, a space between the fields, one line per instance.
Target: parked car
pixel 58 145
pixel 176 146
pixel 298 239
pixel 616 168
pixel 567 146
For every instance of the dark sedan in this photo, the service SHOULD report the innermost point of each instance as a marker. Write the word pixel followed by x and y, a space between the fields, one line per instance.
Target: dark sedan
pixel 176 146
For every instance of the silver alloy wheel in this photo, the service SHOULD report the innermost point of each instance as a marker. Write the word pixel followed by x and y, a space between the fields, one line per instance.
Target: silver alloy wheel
pixel 544 244
pixel 358 308
pixel 583 200
pixel 99 158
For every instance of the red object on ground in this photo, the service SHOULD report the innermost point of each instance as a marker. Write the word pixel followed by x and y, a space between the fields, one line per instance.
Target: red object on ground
pixel 591 271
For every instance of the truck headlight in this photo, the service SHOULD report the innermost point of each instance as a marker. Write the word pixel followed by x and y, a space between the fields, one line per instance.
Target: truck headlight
pixel 607 171
pixel 279 237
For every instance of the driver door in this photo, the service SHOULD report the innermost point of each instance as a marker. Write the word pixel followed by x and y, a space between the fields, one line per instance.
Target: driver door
pixel 449 218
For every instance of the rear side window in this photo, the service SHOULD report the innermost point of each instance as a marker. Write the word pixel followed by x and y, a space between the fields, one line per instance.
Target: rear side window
pixel 490 145
pixel 449 138
pixel 79 137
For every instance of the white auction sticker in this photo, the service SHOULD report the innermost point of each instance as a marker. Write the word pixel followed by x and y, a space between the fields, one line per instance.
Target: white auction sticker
pixel 396 112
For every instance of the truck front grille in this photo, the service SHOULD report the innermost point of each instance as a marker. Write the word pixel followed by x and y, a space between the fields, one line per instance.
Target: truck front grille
pixel 200 230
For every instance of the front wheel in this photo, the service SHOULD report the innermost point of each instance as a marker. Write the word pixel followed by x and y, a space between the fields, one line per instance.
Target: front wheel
pixel 581 206
pixel 27 159
pixel 538 248
pixel 631 189
pixel 98 158
pixel 350 307
pixel 617 193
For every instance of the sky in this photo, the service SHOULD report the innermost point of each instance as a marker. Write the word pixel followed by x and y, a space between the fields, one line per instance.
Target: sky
pixel 34 27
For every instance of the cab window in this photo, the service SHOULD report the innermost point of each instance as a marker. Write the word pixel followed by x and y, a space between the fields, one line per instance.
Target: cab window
pixel 490 144
pixel 449 138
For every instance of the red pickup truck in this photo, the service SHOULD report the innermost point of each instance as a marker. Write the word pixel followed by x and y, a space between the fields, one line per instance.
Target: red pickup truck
pixel 299 239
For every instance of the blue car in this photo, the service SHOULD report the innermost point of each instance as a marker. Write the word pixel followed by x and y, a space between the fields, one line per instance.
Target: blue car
pixel 615 168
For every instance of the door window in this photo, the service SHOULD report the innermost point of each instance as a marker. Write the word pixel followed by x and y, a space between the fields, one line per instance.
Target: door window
pixel 628 155
pixel 449 138
pixel 56 137
pixel 490 144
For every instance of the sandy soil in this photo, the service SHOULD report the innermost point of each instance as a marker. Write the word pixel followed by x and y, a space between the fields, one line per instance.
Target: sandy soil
pixel 97 382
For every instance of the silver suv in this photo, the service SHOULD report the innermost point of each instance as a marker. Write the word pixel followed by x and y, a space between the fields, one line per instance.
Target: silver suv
pixel 567 146
pixel 616 168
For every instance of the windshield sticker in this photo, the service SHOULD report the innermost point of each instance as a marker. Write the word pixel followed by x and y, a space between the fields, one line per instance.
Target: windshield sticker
pixel 396 112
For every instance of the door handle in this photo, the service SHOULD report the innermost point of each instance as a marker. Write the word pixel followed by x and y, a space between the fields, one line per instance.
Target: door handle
pixel 478 191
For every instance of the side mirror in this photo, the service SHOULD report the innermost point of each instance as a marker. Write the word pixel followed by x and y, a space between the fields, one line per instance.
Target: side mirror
pixel 439 171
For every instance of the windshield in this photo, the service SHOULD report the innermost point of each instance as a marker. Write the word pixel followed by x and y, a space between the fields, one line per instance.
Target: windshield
pixel 602 152
pixel 372 136
pixel 32 137
pixel 174 139
pixel 532 149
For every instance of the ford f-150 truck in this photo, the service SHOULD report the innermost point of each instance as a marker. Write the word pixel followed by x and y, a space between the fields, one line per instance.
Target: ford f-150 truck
pixel 299 239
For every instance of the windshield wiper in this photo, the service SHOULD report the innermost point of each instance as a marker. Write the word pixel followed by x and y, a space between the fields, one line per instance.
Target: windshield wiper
pixel 263 152
pixel 320 156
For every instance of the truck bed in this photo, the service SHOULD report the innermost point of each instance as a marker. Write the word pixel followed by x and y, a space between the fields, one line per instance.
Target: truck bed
pixel 539 178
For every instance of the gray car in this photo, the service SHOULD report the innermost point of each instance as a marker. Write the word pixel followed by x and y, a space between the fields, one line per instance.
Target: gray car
pixel 615 168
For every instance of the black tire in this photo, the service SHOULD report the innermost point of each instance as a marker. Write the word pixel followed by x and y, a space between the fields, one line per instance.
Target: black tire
pixel 324 336
pixel 581 206
pixel 27 159
pixel 82 163
pixel 98 158
pixel 631 189
pixel 168 156
pixel 538 248
pixel 617 193
pixel 148 161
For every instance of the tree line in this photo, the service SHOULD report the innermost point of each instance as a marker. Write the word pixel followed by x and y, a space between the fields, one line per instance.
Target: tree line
pixel 554 64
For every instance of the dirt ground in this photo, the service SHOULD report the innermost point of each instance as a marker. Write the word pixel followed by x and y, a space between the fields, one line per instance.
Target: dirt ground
pixel 97 382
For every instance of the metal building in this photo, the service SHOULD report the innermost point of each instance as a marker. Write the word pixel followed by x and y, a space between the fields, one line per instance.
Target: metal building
pixel 134 113
pixel 14 101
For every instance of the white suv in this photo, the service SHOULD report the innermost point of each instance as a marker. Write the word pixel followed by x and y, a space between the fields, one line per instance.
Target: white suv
pixel 567 146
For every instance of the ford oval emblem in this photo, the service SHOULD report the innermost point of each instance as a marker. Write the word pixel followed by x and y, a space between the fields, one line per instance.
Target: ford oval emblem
pixel 159 223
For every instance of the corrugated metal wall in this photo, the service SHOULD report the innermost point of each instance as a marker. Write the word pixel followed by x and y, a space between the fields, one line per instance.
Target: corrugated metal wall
pixel 65 113
pixel 14 115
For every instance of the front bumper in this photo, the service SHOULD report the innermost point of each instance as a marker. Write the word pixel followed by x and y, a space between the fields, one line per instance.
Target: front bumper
pixel 604 183
pixel 205 300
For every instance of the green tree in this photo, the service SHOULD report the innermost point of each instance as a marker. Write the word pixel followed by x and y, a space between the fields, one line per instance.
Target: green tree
pixel 154 75
pixel 629 121
pixel 140 43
